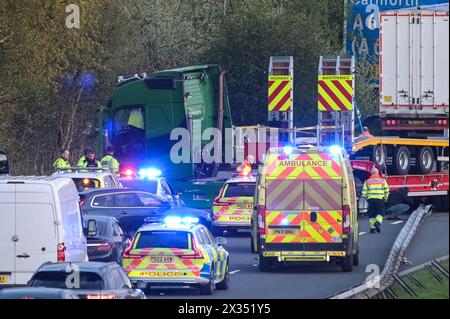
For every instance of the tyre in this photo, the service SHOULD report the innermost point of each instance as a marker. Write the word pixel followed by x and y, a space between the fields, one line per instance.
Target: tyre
pixel 208 289
pixel 402 161
pixel 347 263
pixel 265 263
pixel 225 283
pixel 425 160
pixel 253 248
pixel 356 258
pixel 379 154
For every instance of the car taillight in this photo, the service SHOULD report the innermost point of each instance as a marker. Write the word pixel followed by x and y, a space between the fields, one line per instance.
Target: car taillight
pixel 126 253
pixel 261 218
pixel 104 246
pixel 221 204
pixel 101 296
pixel 60 252
pixel 197 255
pixel 346 216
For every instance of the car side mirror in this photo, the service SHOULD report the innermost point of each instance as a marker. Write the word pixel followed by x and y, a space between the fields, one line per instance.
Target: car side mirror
pixel 221 241
pixel 92 228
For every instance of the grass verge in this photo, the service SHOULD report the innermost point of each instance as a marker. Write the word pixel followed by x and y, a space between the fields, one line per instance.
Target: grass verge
pixel 434 289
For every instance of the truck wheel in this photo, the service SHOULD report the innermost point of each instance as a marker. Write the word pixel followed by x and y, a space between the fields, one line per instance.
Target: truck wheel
pixel 425 161
pixel 347 263
pixel 402 160
pixel 379 154
pixel 265 263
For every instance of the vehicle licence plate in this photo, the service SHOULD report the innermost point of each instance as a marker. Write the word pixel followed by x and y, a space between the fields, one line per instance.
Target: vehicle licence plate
pixel 284 232
pixel 4 279
pixel 161 259
pixel 244 206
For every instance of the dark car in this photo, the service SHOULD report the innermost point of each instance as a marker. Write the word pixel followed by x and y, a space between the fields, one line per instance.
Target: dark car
pixel 155 185
pixel 132 207
pixel 89 280
pixel 107 241
pixel 37 293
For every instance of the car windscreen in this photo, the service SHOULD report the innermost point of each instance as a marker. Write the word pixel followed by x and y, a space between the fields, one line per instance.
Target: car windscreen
pixel 163 239
pixel 143 185
pixel 102 227
pixel 239 189
pixel 86 183
pixel 61 280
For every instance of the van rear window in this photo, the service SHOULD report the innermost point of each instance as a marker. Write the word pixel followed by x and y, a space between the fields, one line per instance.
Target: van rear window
pixel 323 194
pixel 284 194
pixel 86 183
pixel 298 195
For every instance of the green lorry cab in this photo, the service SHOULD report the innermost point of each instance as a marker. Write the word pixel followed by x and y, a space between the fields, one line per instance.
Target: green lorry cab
pixel 146 111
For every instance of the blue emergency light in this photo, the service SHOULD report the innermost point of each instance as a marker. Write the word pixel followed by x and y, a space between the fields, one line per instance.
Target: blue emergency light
pixel 335 150
pixel 149 173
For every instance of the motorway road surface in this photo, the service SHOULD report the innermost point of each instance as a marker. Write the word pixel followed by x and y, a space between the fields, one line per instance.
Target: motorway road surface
pixel 431 242
pixel 294 281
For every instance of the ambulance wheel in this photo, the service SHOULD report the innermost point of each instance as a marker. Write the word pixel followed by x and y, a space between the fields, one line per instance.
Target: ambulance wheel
pixel 356 258
pixel 347 263
pixel 253 245
pixel 209 287
pixel 225 283
pixel 217 231
pixel 402 160
pixel 265 263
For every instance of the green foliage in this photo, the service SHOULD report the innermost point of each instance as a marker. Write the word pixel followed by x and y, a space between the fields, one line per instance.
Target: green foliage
pixel 44 99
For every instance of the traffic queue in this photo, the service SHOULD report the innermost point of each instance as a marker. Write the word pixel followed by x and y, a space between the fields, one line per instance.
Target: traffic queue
pixel 299 206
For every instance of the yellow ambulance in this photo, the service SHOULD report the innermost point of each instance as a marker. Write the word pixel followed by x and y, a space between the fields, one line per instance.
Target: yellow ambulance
pixel 305 208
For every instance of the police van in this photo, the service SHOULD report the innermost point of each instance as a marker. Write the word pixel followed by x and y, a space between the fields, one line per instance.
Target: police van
pixel 305 208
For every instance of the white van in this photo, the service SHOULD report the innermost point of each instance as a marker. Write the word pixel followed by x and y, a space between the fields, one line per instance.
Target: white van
pixel 40 221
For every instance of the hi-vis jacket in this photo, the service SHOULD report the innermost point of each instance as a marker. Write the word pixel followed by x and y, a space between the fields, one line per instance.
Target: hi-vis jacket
pixel 376 187
pixel 110 162
pixel 61 163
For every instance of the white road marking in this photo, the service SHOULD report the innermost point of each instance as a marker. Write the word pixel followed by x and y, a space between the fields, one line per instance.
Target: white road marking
pixel 362 233
pixel 234 271
pixel 397 222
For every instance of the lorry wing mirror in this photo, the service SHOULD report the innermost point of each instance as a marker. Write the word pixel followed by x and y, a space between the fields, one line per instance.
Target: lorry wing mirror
pixel 92 228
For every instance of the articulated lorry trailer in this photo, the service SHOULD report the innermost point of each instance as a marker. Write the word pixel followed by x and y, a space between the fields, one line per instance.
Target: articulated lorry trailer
pixel 414 93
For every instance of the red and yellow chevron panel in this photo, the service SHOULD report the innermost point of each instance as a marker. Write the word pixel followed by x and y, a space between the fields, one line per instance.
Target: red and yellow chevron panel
pixel 284 227
pixel 323 194
pixel 280 93
pixel 335 93
pixel 302 166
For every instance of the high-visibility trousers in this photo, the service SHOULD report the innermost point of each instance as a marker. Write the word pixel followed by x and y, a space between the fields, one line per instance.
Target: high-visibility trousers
pixel 376 212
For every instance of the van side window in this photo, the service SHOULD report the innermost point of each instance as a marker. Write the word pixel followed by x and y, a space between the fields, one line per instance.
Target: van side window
pixel 107 181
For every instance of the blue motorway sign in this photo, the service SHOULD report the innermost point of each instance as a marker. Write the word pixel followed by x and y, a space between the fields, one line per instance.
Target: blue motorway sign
pixel 363 25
